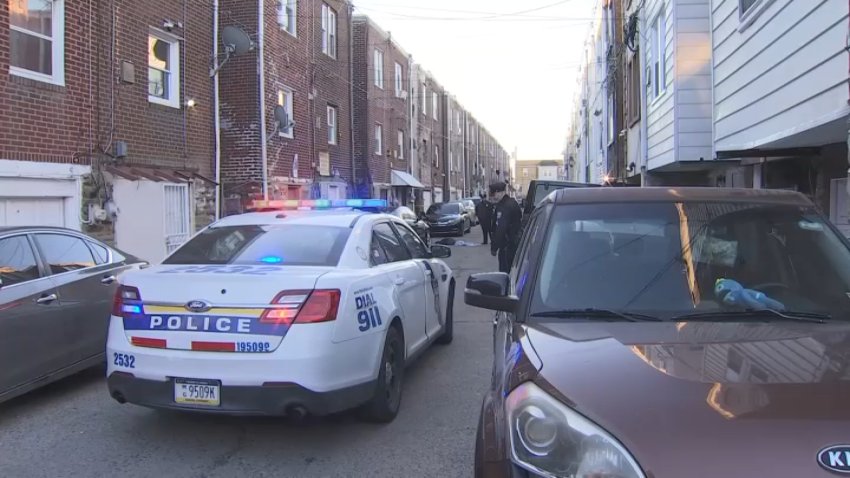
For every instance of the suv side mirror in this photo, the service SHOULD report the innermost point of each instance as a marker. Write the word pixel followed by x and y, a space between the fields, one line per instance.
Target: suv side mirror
pixel 490 290
pixel 440 252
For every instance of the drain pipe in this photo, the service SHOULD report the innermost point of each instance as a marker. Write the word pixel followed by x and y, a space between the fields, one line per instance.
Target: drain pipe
pixel 217 114
pixel 353 193
pixel 261 70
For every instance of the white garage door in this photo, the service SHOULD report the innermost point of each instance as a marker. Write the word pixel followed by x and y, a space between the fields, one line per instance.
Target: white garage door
pixel 32 212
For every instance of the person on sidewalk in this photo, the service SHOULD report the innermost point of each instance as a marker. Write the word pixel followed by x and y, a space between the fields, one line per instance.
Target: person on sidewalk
pixel 484 212
pixel 507 224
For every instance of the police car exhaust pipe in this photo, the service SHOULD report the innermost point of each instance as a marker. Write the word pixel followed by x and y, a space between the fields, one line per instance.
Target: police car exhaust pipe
pixel 296 412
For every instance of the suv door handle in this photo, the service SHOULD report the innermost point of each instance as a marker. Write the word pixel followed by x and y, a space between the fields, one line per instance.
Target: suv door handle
pixel 107 280
pixel 46 299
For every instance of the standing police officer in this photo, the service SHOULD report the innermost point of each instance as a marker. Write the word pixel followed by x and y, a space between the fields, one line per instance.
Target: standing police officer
pixel 507 224
pixel 484 213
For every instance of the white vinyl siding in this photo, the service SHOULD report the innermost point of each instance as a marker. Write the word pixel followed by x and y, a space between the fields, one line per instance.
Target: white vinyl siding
pixel 37 40
pixel 661 114
pixel 786 73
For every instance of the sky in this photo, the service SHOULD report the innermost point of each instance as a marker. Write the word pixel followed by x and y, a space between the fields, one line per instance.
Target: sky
pixel 512 64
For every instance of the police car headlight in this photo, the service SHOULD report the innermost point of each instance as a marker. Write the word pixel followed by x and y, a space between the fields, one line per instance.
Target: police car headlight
pixel 551 440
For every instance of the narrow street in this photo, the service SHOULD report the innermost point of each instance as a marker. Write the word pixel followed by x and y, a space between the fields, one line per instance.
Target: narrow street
pixel 73 429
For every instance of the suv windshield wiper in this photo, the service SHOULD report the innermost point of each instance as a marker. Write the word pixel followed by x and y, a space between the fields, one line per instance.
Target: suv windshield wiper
pixel 597 314
pixel 732 315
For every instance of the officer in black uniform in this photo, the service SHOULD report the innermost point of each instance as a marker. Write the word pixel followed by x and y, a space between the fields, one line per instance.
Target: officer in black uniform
pixel 484 213
pixel 507 224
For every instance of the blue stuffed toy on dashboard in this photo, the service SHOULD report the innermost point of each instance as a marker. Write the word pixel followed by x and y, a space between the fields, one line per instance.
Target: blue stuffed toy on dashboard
pixel 732 293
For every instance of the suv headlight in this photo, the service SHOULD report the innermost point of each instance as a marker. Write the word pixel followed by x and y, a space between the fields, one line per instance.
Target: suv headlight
pixel 551 440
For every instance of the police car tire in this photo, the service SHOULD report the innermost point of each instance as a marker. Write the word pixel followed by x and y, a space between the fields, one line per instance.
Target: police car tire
pixel 381 408
pixel 448 332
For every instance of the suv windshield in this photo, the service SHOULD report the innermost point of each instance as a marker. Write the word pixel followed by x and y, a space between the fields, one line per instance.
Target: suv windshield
pixel 444 209
pixel 276 245
pixel 668 260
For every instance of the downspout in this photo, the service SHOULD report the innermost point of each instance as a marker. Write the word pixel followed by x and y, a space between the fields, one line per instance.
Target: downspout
pixel 351 99
pixel 217 114
pixel 261 70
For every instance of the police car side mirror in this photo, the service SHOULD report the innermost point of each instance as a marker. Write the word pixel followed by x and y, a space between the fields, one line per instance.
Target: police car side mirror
pixel 440 252
pixel 490 290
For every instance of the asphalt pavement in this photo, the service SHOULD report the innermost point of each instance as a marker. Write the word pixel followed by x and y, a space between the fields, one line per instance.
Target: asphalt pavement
pixel 74 429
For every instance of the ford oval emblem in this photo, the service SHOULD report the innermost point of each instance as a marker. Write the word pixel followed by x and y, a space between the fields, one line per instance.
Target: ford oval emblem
pixel 198 306
pixel 835 458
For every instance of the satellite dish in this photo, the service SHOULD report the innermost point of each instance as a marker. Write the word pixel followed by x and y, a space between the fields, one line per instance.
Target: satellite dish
pixel 236 42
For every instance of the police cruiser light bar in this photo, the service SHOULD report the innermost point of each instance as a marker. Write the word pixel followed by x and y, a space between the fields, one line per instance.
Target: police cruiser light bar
pixel 317 204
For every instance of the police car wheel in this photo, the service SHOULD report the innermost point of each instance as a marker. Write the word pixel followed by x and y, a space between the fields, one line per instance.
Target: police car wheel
pixel 384 405
pixel 448 331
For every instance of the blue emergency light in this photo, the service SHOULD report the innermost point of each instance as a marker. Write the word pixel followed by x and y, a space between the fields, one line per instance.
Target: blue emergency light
pixel 318 204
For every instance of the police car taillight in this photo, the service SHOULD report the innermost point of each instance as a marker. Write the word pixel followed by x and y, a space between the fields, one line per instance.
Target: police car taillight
pixel 303 307
pixel 127 301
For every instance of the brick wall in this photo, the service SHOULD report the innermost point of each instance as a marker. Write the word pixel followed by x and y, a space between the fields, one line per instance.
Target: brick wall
pixel 375 105
pixel 429 131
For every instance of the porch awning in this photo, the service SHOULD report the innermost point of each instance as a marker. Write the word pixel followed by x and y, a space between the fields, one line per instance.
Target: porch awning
pixel 401 178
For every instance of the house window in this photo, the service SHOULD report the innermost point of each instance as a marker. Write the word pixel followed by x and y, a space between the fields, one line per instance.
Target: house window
pixel 379 143
pixel 36 40
pixel 332 125
pixel 163 69
pixel 658 39
pixel 746 5
pixel 286 99
pixel 525 173
pixel 378 64
pixel 611 132
pixel 424 100
pixel 400 145
pixel 399 82
pixel 434 104
pixel 437 157
pixel 287 11
pixel 328 31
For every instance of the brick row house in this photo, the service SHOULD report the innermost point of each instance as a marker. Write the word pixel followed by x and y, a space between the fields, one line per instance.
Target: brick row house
pixel 107 123
pixel 132 121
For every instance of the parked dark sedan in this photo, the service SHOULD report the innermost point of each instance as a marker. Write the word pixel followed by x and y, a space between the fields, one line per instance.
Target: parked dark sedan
pixel 448 217
pixel 669 332
pixel 56 291
pixel 417 224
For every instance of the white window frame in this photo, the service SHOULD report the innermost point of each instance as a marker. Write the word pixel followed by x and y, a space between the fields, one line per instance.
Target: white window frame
pixel 282 93
pixel 58 48
pixel 401 145
pixel 424 100
pixel 748 17
pixel 172 101
pixel 333 117
pixel 399 79
pixel 378 68
pixel 658 39
pixel 434 104
pixel 329 43
pixel 379 139
pixel 285 8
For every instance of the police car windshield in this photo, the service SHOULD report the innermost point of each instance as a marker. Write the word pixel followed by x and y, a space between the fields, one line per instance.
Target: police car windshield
pixel 300 245
pixel 668 260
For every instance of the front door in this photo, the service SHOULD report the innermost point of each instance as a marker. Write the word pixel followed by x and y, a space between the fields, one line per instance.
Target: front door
pixel 409 283
pixel 432 273
pixel 32 328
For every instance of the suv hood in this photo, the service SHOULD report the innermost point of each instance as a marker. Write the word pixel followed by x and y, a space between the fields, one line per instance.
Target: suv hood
pixel 706 399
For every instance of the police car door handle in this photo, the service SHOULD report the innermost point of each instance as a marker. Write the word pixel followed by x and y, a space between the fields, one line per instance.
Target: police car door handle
pixel 107 280
pixel 398 280
pixel 46 299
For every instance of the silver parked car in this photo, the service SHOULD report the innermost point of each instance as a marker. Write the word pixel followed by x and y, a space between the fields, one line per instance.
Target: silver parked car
pixel 56 292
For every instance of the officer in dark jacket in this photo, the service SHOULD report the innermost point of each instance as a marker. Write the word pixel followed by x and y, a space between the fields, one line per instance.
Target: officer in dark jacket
pixel 484 212
pixel 507 224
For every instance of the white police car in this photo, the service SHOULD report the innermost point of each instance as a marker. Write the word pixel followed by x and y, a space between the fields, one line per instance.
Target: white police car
pixel 305 309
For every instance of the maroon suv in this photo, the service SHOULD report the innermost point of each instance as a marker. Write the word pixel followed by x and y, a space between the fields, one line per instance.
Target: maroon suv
pixel 669 333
